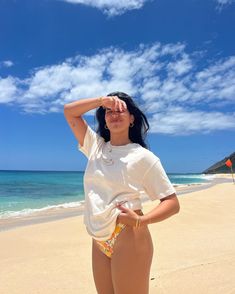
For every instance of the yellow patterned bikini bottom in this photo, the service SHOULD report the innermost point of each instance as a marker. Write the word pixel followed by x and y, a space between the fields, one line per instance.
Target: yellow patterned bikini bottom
pixel 107 246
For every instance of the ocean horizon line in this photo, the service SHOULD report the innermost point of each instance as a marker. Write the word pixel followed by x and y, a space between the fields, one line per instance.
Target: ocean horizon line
pixel 35 170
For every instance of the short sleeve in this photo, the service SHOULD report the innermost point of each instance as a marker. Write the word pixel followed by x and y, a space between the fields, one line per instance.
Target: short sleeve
pixel 156 182
pixel 91 142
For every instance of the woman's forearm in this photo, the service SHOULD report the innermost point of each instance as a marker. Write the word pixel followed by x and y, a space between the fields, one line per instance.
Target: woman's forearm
pixel 161 212
pixel 77 108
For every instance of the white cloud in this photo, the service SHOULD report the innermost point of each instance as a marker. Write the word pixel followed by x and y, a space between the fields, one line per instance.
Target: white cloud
pixel 111 7
pixel 179 95
pixel 179 121
pixel 180 67
pixel 222 3
pixel 6 63
pixel 8 90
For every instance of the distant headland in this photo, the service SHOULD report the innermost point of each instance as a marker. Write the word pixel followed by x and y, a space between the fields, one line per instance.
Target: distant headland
pixel 220 166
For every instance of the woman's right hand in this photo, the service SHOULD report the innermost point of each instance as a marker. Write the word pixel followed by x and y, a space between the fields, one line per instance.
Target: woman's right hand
pixel 114 103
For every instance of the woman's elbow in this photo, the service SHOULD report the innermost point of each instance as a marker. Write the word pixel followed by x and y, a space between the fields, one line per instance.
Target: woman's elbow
pixel 177 205
pixel 174 203
pixel 177 208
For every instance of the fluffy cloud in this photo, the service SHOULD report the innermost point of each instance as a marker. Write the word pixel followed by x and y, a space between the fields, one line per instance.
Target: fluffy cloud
pixel 6 63
pixel 194 121
pixel 111 7
pixel 178 92
pixel 8 90
pixel 117 7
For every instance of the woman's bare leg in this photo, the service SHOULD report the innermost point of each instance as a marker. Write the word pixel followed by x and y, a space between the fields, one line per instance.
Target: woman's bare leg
pixel 131 261
pixel 101 266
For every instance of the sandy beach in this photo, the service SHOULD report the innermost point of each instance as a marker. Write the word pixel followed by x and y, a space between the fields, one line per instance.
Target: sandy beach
pixel 194 250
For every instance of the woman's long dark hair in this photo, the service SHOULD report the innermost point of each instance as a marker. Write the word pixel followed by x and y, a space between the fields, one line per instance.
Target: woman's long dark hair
pixel 137 133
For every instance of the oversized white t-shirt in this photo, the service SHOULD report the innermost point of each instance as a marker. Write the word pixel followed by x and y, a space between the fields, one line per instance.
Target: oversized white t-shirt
pixel 118 173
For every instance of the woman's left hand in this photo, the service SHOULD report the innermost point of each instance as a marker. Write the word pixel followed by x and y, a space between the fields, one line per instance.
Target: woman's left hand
pixel 127 216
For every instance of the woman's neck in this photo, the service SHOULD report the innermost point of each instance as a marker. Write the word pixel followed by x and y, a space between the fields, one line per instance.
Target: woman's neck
pixel 119 140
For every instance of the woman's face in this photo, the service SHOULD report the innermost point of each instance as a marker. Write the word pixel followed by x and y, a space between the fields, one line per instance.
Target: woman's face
pixel 118 121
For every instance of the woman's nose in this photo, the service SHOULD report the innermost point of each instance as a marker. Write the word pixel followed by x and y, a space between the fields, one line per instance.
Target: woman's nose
pixel 114 113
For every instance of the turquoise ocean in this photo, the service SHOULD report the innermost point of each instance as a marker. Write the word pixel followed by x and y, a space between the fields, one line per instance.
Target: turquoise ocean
pixel 26 192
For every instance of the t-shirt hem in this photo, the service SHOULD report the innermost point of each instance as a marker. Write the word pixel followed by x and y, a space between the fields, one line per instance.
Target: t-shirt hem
pixel 166 194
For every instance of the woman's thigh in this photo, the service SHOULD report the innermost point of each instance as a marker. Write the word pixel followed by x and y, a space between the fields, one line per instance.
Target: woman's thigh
pixel 101 266
pixel 131 261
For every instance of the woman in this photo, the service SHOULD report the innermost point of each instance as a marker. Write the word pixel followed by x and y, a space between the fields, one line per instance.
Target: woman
pixel 120 169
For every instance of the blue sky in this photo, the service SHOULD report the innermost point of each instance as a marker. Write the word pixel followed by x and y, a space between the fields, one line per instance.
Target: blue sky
pixel 176 58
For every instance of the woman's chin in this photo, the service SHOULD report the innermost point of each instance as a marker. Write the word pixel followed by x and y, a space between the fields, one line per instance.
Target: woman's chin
pixel 115 125
pixel 116 128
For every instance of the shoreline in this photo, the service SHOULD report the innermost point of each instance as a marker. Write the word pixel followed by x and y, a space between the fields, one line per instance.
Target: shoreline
pixel 63 213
